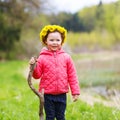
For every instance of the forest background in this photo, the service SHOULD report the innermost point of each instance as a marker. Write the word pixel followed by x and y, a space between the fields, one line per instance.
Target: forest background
pixel 90 29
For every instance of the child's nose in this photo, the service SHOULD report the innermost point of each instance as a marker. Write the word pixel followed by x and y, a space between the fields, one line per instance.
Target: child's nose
pixel 55 42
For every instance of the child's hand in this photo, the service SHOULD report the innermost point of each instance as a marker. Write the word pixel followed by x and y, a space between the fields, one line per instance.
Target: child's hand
pixel 75 98
pixel 32 61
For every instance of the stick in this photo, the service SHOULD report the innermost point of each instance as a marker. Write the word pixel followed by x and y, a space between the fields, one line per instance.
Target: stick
pixel 40 95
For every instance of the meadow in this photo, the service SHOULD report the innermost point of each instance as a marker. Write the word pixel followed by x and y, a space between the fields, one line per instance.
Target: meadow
pixel 18 102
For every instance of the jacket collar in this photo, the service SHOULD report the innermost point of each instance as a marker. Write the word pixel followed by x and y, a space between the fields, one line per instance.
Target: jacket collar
pixel 45 51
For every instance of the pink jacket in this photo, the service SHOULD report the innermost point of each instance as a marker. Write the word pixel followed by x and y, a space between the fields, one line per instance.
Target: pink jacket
pixel 57 73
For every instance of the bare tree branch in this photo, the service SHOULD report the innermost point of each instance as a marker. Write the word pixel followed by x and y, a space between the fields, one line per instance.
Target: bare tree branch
pixel 40 95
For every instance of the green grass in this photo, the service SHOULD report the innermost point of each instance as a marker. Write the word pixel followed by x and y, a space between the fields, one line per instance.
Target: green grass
pixel 83 111
pixel 18 102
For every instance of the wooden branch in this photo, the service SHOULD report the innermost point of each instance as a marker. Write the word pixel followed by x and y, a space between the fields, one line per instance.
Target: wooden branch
pixel 40 95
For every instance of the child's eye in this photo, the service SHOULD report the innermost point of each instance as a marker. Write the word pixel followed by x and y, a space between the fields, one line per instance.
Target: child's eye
pixel 58 39
pixel 51 40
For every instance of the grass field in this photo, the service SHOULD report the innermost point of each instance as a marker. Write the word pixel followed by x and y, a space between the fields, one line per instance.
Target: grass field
pixel 18 102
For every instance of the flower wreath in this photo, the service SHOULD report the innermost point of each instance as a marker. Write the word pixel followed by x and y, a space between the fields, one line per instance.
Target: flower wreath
pixel 51 28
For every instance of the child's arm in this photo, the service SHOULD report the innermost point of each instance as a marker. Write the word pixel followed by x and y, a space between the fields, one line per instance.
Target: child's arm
pixel 73 79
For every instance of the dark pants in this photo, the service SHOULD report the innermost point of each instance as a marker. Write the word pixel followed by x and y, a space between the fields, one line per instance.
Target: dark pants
pixel 55 106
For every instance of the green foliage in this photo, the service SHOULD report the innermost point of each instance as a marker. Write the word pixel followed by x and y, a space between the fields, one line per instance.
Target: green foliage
pixel 91 41
pixel 8 33
pixel 14 17
pixel 104 17
pixel 112 17
pixel 10 25
pixel 100 14
pixel 88 18
pixel 71 22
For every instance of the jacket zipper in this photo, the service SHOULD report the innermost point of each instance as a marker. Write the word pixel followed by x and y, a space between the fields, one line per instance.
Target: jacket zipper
pixel 55 54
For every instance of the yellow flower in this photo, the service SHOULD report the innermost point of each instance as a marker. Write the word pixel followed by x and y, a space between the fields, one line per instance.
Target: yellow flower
pixel 51 28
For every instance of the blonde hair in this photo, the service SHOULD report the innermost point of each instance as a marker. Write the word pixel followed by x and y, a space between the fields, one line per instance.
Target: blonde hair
pixel 52 28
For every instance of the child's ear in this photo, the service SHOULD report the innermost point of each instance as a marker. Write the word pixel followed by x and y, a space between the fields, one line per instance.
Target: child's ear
pixel 46 42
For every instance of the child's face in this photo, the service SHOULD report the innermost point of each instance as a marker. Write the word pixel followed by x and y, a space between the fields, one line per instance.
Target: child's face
pixel 54 41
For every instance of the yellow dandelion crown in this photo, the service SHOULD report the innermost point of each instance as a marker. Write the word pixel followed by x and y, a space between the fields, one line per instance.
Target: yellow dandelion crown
pixel 51 28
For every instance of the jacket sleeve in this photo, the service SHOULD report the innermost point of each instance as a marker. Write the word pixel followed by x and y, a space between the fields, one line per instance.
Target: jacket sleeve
pixel 72 77
pixel 38 69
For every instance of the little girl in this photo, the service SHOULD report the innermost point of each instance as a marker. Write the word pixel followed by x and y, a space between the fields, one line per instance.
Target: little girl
pixel 56 71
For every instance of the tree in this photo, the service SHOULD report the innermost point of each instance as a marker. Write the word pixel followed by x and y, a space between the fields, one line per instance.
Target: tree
pixel 87 17
pixel 100 16
pixel 112 18
pixel 68 20
pixel 10 27
pixel 74 23
pixel 8 33
pixel 14 15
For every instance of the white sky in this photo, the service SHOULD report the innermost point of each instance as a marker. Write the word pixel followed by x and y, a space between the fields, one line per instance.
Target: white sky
pixel 75 5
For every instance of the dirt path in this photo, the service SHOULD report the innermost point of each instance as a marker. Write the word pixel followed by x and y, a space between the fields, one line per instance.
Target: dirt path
pixel 90 96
